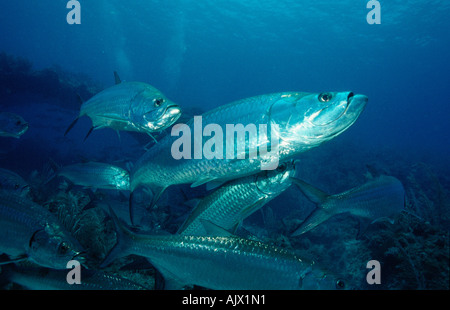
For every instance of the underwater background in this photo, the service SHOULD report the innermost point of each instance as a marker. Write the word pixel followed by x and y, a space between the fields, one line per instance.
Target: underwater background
pixel 203 54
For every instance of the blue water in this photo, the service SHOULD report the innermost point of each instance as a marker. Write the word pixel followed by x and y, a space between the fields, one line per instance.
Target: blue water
pixel 210 52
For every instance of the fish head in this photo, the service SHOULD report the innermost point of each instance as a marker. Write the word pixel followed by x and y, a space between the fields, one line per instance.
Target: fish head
pixel 12 125
pixel 154 112
pixel 273 182
pixel 311 119
pixel 53 247
pixel 18 185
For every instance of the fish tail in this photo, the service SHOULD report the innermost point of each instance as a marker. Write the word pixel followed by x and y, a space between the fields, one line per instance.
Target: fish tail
pixel 320 214
pixel 377 199
pixel 122 245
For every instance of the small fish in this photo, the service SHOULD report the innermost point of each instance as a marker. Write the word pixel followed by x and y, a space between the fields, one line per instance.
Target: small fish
pixel 96 175
pixel 229 205
pixel 379 198
pixel 302 121
pixel 12 181
pixel 38 278
pixel 12 125
pixel 129 106
pixel 219 261
pixel 29 231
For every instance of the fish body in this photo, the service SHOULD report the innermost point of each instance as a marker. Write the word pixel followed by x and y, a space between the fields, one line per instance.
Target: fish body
pixel 36 278
pixel 28 230
pixel 379 198
pixel 10 180
pixel 301 121
pixel 229 205
pixel 12 125
pixel 130 106
pixel 219 262
pixel 97 175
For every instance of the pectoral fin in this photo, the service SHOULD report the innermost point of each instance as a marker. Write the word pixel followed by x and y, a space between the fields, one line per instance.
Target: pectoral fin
pixel 171 282
pixel 89 133
pixel 215 230
pixel 12 260
pixel 71 126
pixel 247 211
pixel 315 218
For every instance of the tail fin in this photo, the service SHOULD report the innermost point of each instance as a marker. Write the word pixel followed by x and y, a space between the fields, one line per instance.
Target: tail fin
pixel 122 245
pixel 320 214
pixel 377 199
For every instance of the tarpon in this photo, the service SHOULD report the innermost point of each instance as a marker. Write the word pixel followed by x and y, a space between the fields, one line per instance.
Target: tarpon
pixel 29 231
pixel 129 106
pixel 38 278
pixel 12 125
pixel 220 261
pixel 97 175
pixel 229 205
pixel 300 120
pixel 380 198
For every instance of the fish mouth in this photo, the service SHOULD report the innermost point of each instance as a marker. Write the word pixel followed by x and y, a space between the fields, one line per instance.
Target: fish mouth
pixel 168 117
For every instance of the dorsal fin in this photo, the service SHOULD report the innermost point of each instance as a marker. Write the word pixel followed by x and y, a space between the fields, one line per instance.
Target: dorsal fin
pixel 117 78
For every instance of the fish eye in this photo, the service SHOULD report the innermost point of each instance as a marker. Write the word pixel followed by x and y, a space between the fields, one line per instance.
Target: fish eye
pixel 63 248
pixel 18 123
pixel 340 284
pixel 158 101
pixel 325 97
pixel 16 186
pixel 281 168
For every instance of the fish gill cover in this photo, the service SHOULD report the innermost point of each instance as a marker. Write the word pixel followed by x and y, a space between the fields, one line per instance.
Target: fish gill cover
pixel 205 54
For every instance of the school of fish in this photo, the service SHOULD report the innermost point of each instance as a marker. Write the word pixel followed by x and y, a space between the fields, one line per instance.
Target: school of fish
pixel 205 251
